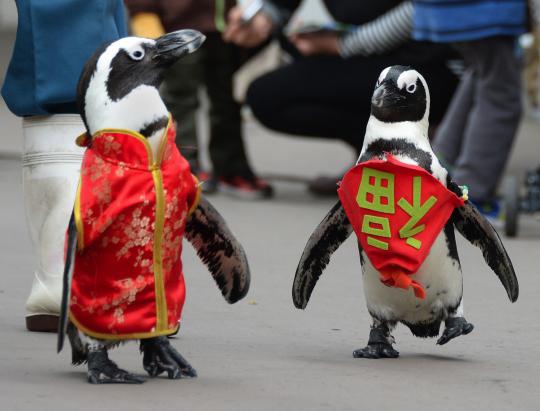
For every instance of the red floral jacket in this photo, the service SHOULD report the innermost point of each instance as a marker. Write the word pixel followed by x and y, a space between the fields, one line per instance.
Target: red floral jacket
pixel 397 210
pixel 130 214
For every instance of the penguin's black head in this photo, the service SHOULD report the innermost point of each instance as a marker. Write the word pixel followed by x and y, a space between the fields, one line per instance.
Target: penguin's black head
pixel 118 68
pixel 401 94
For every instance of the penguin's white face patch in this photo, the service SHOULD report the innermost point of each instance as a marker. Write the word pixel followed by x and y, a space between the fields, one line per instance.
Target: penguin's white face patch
pixel 383 75
pixel 133 46
pixel 407 80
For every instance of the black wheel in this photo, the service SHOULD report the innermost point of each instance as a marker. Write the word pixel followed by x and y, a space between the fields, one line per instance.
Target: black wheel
pixel 511 205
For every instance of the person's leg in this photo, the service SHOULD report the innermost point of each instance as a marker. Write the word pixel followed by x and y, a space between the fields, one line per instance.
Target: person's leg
pixel 448 139
pixel 51 166
pixel 317 97
pixel 494 118
pixel 226 147
pixel 180 93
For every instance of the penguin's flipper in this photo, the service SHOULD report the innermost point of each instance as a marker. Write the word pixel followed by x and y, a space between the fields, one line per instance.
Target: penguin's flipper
pixel 333 230
pixel 219 250
pixel 476 228
pixel 68 275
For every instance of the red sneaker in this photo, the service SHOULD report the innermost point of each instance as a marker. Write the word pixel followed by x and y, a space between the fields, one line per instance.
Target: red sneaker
pixel 245 187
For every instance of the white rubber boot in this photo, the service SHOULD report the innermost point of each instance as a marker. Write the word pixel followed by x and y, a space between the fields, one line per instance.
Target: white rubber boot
pixel 51 165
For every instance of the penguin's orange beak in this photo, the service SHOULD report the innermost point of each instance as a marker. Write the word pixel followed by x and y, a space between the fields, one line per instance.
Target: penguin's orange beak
pixel 173 46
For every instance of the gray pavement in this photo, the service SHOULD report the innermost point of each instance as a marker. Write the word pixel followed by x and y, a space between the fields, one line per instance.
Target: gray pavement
pixel 262 353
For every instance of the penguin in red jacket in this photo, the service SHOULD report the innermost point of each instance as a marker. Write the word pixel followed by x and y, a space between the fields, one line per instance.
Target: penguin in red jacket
pixel 403 207
pixel 136 201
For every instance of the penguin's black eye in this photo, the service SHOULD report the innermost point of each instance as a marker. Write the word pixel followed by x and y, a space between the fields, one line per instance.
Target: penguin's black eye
pixel 411 88
pixel 137 55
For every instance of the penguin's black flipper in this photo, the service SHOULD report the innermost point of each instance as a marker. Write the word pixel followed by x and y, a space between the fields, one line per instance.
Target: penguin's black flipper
pixel 68 274
pixel 476 228
pixel 333 230
pixel 219 250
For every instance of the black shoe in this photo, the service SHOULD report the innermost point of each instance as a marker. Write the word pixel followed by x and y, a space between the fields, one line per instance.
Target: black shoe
pixel 324 185
pixel 45 323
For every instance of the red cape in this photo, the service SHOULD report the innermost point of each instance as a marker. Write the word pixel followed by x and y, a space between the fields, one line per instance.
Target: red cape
pixel 397 210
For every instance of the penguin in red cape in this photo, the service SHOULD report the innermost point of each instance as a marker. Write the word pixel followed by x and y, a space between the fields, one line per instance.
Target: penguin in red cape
pixel 403 207
pixel 136 201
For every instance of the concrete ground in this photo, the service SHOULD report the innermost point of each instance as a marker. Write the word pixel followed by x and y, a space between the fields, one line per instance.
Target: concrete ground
pixel 262 353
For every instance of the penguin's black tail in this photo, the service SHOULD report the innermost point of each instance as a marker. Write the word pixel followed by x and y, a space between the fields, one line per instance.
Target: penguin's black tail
pixel 425 330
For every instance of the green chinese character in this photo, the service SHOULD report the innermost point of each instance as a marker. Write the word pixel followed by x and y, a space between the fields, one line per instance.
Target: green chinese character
pixel 381 229
pixel 376 191
pixel 417 211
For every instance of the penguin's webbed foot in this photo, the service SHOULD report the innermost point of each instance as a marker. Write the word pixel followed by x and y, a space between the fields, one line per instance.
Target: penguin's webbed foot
pixel 379 344
pixel 160 356
pixel 101 370
pixel 454 327
pixel 376 350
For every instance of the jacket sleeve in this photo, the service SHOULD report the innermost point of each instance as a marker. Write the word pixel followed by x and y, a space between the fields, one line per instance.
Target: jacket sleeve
pixel 383 34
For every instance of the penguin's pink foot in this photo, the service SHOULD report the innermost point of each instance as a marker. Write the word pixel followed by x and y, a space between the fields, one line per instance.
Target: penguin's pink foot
pixel 101 370
pixel 454 327
pixel 160 356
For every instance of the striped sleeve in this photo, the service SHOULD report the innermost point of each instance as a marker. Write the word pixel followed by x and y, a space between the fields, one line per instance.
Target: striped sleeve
pixel 383 34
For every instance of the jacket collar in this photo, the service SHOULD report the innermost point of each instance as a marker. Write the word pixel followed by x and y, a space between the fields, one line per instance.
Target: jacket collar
pixel 128 147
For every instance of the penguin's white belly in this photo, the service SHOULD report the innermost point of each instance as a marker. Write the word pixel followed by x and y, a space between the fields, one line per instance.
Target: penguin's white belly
pixel 440 276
